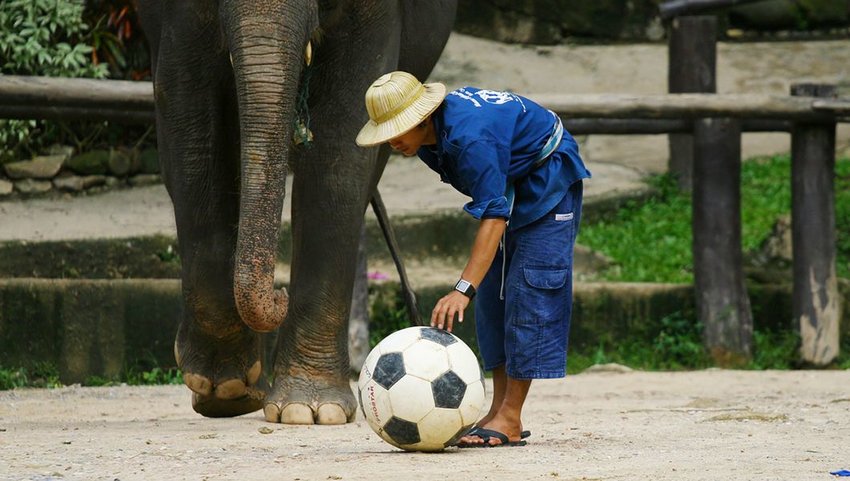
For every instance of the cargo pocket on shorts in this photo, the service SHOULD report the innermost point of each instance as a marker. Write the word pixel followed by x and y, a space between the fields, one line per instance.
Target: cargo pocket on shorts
pixel 540 295
pixel 536 324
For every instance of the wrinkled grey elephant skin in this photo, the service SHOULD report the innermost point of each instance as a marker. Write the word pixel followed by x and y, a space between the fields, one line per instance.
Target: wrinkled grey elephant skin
pixel 226 85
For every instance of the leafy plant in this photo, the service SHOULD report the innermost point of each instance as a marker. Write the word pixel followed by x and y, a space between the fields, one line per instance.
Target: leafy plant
pixel 388 314
pixel 43 375
pixel 41 37
pixel 775 350
pixel 117 38
pixel 679 344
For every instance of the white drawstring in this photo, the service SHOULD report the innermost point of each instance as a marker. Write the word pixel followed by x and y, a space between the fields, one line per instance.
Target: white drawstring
pixel 504 261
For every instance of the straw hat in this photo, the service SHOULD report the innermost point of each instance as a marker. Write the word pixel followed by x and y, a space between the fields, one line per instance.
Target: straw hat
pixel 396 103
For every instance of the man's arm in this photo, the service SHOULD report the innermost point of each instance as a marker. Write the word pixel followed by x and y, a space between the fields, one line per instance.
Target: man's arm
pixel 483 251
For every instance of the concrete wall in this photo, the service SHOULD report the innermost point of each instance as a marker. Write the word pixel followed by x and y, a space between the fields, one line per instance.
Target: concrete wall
pixel 87 327
pixel 97 327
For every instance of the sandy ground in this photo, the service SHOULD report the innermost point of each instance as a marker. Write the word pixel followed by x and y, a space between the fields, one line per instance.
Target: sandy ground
pixel 717 425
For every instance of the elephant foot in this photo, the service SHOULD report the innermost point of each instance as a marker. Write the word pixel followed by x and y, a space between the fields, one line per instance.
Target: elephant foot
pixel 310 401
pixel 224 374
pixel 214 407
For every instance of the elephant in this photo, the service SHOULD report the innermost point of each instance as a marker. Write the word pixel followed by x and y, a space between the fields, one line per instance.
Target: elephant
pixel 230 79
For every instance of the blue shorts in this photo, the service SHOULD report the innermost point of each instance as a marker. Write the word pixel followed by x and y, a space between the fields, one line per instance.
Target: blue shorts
pixel 527 329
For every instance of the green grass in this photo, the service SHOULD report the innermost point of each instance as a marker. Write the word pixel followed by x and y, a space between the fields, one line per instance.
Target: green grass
pixel 650 241
pixel 43 375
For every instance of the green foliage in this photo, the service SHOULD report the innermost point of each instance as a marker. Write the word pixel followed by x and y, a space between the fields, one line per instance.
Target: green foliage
pixel 775 350
pixel 156 375
pixel 117 38
pixel 658 231
pixel 388 313
pixel 677 345
pixel 47 38
pixel 12 378
pixel 42 375
pixel 45 375
pixel 136 377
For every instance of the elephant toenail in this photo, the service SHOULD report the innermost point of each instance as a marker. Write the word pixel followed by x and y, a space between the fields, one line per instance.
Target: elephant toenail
pixel 330 414
pixel 230 389
pixel 198 383
pixel 254 373
pixel 297 413
pixel 272 413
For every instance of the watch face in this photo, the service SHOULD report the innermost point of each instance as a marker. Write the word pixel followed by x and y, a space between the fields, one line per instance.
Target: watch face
pixel 462 285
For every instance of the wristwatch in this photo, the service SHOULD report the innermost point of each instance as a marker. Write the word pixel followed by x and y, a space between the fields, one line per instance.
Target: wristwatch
pixel 465 288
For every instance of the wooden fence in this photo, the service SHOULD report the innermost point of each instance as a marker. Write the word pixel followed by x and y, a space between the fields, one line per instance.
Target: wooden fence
pixel 715 123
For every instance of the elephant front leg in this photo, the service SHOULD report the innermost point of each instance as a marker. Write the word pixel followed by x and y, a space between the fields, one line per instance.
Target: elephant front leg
pixel 312 369
pixel 198 135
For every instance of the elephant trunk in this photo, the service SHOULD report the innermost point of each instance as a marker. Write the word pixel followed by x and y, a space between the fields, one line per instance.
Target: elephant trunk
pixel 267 41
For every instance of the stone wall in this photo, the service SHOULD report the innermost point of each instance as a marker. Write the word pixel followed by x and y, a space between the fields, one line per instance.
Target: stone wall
pixel 98 327
pixel 558 21
pixel 59 169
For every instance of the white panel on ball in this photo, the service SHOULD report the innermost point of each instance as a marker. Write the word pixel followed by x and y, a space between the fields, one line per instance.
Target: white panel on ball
pixel 411 398
pixel 375 402
pixel 473 402
pixel 399 340
pixel 436 428
pixel 426 360
pixel 464 363
pixel 369 364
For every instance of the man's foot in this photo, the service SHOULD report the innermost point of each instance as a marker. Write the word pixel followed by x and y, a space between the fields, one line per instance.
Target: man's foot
pixel 488 438
pixel 522 434
pixel 492 434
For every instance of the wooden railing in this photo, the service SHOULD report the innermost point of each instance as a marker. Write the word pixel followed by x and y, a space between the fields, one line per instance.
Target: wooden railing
pixel 715 123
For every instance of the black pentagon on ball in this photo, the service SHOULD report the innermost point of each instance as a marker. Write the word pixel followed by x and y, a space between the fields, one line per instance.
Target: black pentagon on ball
pixel 461 433
pixel 439 336
pixel 389 369
pixel 401 431
pixel 448 390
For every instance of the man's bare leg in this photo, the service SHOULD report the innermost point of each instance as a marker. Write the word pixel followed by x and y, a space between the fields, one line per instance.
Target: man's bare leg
pixel 500 380
pixel 505 415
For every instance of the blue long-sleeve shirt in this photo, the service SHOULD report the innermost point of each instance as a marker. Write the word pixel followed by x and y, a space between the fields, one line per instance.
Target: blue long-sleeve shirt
pixel 488 139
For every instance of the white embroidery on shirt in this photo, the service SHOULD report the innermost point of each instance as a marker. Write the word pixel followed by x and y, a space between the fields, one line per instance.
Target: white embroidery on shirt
pixel 464 94
pixel 495 97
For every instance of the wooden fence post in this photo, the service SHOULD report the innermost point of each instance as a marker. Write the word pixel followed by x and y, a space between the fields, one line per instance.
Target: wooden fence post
pixel 722 303
pixel 815 300
pixel 691 68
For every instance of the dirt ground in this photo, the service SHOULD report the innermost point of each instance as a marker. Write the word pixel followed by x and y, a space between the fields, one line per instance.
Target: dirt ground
pixel 714 424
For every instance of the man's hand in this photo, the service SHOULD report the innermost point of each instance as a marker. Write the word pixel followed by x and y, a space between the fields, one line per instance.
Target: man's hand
pixel 446 308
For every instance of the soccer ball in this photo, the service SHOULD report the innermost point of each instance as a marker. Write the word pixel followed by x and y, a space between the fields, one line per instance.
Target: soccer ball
pixel 421 389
